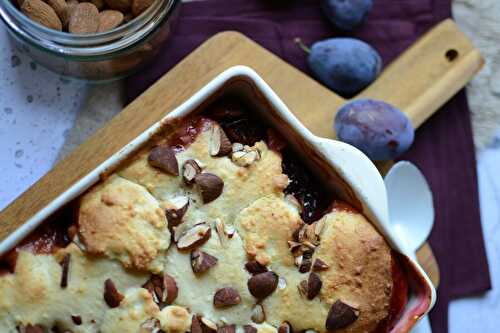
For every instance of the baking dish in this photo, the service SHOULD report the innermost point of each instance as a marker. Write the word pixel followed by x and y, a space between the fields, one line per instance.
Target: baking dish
pixel 343 169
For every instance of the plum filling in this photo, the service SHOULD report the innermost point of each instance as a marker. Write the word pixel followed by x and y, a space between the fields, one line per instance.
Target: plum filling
pixel 46 239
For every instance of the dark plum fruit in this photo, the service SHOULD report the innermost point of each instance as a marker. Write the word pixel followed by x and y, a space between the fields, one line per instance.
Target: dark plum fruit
pixel 346 14
pixel 376 128
pixel 345 65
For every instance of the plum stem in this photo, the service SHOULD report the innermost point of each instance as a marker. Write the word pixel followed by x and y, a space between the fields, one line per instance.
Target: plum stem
pixel 301 44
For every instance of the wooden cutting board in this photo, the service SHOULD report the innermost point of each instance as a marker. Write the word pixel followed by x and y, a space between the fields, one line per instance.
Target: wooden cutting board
pixel 419 82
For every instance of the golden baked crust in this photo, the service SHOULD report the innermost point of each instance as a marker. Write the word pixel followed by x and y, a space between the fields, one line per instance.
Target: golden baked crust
pixel 266 225
pixel 242 185
pixel 360 268
pixel 121 220
pixel 124 237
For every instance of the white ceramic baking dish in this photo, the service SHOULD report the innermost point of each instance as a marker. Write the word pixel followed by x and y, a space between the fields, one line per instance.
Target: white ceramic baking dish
pixel 344 169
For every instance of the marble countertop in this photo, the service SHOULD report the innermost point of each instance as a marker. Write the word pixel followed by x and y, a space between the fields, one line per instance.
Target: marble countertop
pixel 38 111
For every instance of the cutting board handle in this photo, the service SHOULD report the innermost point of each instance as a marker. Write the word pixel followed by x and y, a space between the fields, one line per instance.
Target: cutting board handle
pixel 429 73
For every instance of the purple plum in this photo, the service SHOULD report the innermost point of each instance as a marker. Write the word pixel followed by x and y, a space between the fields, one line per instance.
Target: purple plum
pixel 378 129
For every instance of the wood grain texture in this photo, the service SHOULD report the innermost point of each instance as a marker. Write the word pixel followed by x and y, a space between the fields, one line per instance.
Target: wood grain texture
pixel 419 82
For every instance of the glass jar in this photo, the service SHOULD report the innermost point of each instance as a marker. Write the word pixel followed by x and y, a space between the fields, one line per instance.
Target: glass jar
pixel 103 56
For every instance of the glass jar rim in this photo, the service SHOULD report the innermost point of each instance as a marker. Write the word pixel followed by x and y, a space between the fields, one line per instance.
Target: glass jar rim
pixel 98 44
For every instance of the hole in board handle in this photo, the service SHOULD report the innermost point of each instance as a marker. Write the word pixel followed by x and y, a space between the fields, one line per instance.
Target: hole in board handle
pixel 451 55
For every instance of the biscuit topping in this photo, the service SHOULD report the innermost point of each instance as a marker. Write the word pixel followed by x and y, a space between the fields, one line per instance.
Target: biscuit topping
pixel 319 265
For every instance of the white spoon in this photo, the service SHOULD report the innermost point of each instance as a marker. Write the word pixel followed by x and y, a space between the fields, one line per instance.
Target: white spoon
pixel 411 212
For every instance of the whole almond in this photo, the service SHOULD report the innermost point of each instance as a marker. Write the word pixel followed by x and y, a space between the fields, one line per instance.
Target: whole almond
pixel 139 6
pixel 70 7
pixel 40 12
pixel 211 186
pixel 109 19
pixel 61 9
pixel 163 158
pixel 121 5
pixel 84 19
pixel 263 284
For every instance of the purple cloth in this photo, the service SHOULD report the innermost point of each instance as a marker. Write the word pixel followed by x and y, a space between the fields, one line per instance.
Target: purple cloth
pixel 443 148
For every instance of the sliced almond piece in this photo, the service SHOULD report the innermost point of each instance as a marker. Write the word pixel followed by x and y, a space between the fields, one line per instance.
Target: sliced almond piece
pixel 202 261
pixel 226 297
pixel 190 170
pixel 65 270
pixel 306 262
pixel 319 265
pixel 237 147
pixel 210 185
pixel 170 291
pixel 282 283
pixel 42 13
pixel 254 267
pixel 196 325
pixel 194 237
pixel 109 19
pixel 220 227
pixel 151 325
pixel 163 289
pixel 311 287
pixel 340 316
pixel 175 209
pixel 163 158
pixel 318 227
pixel 245 157
pixel 258 314
pixel 314 285
pixel 219 144
pixel 263 284
pixel 111 295
pixel 294 246
pixel 209 324
pixel 84 19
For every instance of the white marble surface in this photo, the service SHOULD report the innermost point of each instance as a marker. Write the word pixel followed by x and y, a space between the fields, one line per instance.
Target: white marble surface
pixel 38 109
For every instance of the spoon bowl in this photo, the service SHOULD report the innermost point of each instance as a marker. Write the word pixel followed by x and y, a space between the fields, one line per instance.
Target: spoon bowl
pixel 411 209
